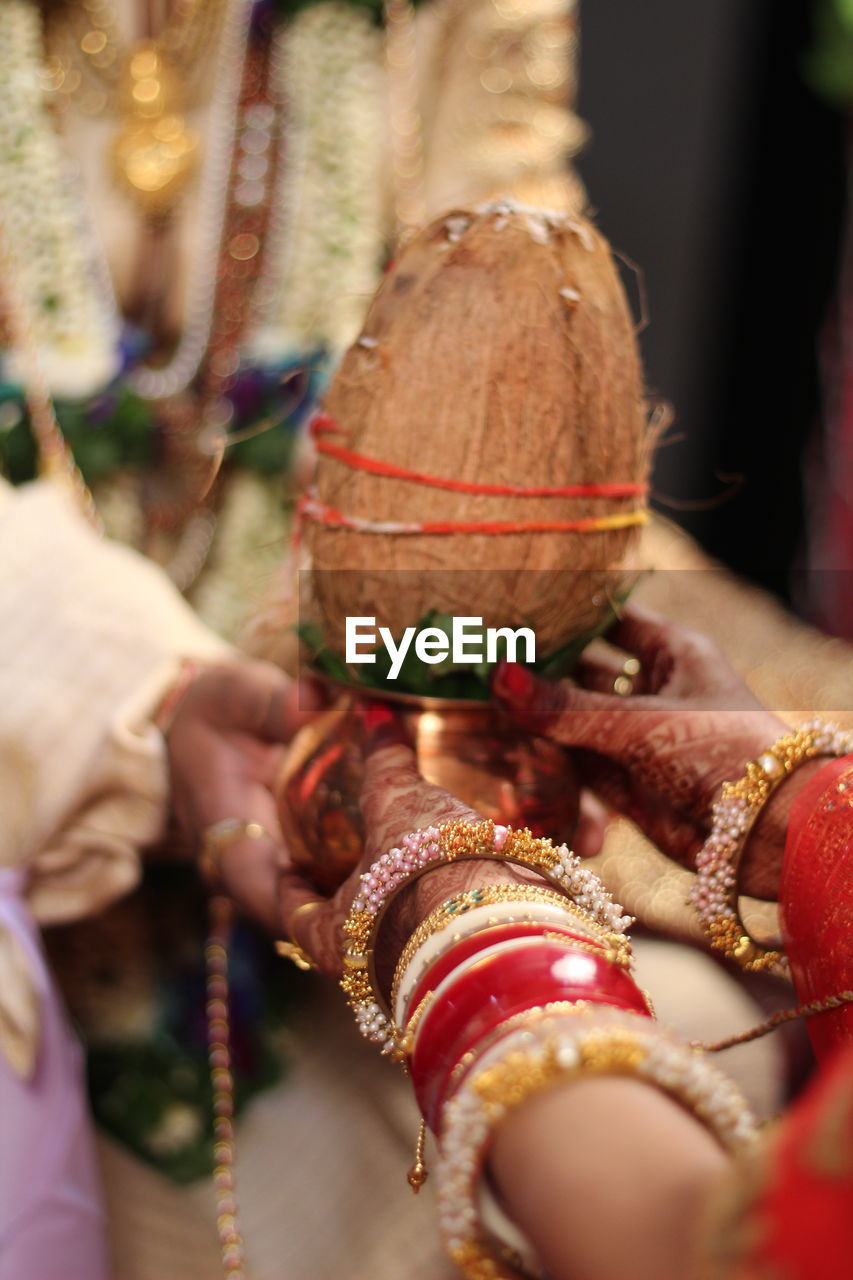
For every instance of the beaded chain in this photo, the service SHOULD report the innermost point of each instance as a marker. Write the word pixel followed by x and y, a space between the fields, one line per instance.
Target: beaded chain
pixel 824 1004
pixel 222 1080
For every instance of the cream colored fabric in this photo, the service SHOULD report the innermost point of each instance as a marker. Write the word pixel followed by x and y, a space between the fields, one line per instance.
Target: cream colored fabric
pixel 793 668
pixel 90 633
pixel 91 636
pixel 497 84
pixel 698 1000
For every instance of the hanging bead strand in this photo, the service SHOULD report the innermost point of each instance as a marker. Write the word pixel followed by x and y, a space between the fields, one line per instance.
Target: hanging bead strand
pixel 222 1080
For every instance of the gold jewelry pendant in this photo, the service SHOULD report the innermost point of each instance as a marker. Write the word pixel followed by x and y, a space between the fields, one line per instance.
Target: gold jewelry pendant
pixel 417 1175
pixel 154 161
pixel 155 153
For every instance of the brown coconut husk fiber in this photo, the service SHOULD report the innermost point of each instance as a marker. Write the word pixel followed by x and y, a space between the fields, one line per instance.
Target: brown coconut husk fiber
pixel 499 349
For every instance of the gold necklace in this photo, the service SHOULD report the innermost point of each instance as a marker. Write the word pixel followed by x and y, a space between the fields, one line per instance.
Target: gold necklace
pixel 149 83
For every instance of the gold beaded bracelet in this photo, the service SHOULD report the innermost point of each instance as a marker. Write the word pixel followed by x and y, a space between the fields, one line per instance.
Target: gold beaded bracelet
pixel 537 1057
pixel 423 851
pixel 527 1020
pixel 715 893
pixel 462 903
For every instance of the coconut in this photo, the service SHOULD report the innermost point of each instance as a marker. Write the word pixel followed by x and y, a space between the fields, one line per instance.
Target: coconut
pixel 498 350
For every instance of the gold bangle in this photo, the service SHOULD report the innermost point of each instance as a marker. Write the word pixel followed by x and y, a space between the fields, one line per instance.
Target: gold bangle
pixel 538 1056
pixel 619 955
pixel 527 1019
pixel 414 1021
pixel 422 852
pixel 462 903
pixel 715 893
pixel 216 838
pixel 289 948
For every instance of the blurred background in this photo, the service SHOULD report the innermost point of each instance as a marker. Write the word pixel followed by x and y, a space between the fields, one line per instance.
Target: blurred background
pixel 717 161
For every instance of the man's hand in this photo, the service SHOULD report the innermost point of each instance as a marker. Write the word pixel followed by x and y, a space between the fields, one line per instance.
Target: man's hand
pixel 225 745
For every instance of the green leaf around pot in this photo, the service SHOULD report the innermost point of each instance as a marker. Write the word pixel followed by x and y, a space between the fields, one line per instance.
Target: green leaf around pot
pixel 444 679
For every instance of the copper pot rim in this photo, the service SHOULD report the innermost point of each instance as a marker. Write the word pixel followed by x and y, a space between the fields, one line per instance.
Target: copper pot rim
pixel 416 701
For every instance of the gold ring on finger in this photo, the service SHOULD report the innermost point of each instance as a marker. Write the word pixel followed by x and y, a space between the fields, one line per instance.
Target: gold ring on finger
pixel 216 838
pixel 623 685
pixel 302 909
pixel 289 948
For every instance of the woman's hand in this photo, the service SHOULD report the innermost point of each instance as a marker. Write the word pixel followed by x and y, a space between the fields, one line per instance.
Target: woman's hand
pixel 225 744
pixel 395 800
pixel 660 754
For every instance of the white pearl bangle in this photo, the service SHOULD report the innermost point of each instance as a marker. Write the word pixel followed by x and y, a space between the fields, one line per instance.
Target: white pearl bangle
pixel 474 921
pixel 541 1055
pixel 715 890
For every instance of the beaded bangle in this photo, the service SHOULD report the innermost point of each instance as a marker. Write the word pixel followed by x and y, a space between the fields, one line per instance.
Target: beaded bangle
pixel 480 996
pixel 489 905
pixel 715 891
pixel 539 1057
pixel 425 850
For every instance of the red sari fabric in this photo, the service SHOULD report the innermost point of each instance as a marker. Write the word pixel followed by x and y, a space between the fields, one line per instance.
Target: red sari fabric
pixel 816 900
pixel 790 1217
pixel 801 1227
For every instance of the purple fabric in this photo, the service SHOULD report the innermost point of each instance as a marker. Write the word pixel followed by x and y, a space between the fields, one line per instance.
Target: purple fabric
pixel 52 1224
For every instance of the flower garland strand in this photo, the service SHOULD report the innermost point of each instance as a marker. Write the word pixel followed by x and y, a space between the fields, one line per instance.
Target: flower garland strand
pixel 327 244
pixel 407 142
pixel 175 377
pixel 62 285
pixel 55 458
pixel 77 328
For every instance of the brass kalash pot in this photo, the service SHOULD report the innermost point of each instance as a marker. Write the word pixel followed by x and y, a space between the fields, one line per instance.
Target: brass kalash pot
pixel 467 747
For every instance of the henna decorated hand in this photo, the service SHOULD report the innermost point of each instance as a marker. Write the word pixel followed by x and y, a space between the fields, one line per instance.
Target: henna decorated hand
pixel 395 800
pixel 224 745
pixel 660 755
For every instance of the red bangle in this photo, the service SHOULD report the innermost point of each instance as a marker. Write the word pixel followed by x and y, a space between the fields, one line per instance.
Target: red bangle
pixel 495 989
pixel 487 937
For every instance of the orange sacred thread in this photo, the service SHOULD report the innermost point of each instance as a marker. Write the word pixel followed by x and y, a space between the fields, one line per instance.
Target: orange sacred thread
pixel 311 508
pixel 323 424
